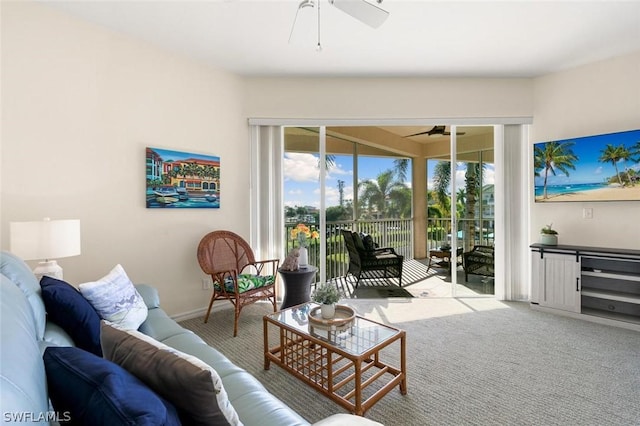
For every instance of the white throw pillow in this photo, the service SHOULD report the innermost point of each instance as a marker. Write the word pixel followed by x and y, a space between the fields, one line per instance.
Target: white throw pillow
pixel 116 299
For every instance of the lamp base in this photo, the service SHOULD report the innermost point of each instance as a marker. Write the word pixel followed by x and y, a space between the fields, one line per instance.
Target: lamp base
pixel 49 268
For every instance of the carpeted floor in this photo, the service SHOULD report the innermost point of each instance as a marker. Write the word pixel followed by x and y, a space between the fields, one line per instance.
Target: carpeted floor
pixel 470 361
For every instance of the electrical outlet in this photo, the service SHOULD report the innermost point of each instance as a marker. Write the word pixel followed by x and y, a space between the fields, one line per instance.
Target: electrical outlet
pixel 207 284
pixel 587 213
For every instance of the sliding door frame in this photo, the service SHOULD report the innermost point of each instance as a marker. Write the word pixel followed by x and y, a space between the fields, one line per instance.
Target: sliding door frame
pixel 272 244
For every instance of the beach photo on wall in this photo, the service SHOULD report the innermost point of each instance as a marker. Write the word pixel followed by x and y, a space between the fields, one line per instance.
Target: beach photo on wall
pixel 184 180
pixel 591 168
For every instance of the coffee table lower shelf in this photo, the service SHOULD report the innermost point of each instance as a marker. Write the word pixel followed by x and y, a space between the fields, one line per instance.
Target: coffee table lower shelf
pixel 356 382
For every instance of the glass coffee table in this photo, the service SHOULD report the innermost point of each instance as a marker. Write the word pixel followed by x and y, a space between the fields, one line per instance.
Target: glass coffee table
pixel 344 363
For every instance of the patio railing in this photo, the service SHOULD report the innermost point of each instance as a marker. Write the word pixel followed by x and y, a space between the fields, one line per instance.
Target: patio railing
pixel 439 233
pixel 396 233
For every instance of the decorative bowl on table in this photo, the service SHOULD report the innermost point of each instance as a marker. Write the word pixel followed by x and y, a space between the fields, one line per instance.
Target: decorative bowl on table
pixel 342 319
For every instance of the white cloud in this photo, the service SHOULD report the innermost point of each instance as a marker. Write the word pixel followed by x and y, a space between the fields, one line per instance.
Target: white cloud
pixel 300 167
pixel 337 170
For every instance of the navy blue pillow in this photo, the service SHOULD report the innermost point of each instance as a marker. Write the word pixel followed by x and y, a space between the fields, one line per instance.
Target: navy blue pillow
pixel 66 307
pixel 90 390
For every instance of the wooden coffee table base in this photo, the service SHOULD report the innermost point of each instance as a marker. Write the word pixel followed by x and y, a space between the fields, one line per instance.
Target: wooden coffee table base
pixel 356 382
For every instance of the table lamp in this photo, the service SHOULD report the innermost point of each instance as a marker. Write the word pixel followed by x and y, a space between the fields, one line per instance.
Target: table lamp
pixel 46 240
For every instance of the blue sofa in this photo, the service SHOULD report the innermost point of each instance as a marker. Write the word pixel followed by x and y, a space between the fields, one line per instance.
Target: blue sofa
pixel 25 334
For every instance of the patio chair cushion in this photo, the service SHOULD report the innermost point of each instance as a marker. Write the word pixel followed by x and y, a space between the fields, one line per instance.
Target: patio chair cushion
pixel 357 240
pixel 247 282
pixel 369 244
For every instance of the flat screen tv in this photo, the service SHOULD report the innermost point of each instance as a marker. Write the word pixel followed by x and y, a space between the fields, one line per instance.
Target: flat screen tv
pixel 590 168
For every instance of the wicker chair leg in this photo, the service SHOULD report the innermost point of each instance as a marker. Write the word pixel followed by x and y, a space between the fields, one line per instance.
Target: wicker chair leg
pixel 235 320
pixel 206 317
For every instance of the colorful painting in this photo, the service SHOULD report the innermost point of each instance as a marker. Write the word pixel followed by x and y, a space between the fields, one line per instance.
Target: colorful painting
pixel 592 168
pixel 182 180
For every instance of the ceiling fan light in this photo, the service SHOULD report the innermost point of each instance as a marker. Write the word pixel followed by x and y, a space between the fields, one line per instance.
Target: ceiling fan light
pixel 307 3
pixel 363 11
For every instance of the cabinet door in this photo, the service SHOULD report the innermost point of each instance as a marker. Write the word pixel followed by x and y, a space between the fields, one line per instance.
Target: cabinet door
pixel 560 282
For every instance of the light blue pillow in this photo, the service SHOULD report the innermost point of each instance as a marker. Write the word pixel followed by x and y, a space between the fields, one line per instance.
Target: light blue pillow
pixel 116 299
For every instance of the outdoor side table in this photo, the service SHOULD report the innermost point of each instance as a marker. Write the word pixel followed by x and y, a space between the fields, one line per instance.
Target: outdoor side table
pixel 297 285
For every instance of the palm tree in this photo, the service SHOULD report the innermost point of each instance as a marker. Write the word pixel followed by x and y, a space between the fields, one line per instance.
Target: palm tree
pixel 401 166
pixel 551 157
pixel 442 181
pixel 381 192
pixel 614 154
pixel 473 182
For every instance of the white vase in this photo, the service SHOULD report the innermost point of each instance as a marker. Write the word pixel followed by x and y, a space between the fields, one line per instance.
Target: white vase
pixel 303 258
pixel 328 311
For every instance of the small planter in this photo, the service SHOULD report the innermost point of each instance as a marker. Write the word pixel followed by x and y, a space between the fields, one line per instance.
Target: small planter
pixel 328 311
pixel 549 239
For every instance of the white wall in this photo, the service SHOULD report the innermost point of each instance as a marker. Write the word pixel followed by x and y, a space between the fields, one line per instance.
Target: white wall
pixel 599 98
pixel 80 104
pixel 390 98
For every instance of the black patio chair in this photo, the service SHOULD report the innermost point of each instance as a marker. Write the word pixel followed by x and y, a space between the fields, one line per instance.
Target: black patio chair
pixel 367 261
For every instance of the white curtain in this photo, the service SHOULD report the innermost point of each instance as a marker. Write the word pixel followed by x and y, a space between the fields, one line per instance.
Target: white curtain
pixel 267 206
pixel 514 261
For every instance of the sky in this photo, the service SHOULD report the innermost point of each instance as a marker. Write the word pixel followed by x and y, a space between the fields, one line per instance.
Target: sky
pixel 588 150
pixel 301 177
pixel 168 155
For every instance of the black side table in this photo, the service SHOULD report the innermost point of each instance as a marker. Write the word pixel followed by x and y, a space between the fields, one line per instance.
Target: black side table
pixel 297 285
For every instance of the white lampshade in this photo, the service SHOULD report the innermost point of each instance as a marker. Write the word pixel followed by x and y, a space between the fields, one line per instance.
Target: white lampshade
pixel 46 240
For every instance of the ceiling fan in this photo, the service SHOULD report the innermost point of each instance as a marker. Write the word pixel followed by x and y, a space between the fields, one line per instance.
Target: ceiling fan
pixel 436 130
pixel 362 10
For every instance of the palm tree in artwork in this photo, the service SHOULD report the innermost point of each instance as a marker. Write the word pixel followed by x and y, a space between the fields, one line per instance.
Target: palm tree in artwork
pixel 613 154
pixel 553 156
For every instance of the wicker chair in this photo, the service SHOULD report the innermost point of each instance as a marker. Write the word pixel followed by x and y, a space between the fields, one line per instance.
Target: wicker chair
pixel 371 262
pixel 235 273
pixel 479 261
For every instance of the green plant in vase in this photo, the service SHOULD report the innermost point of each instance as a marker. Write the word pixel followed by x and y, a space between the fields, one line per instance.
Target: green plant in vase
pixel 548 236
pixel 327 295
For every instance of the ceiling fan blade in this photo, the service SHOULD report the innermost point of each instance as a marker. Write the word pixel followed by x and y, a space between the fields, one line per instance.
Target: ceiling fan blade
pixel 417 134
pixel 363 11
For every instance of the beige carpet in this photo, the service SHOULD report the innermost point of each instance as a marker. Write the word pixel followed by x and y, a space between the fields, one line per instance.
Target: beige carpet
pixel 471 361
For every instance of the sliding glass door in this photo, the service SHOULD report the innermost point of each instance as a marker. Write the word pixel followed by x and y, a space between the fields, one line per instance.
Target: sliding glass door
pixel 460 209
pixel 473 184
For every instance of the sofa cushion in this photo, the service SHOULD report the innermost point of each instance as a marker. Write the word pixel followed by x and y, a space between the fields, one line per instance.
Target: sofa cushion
pixel 18 272
pixel 160 326
pixel 194 387
pixel 67 308
pixel 88 389
pixel 54 335
pixel 116 299
pixel 22 379
pixel 149 295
